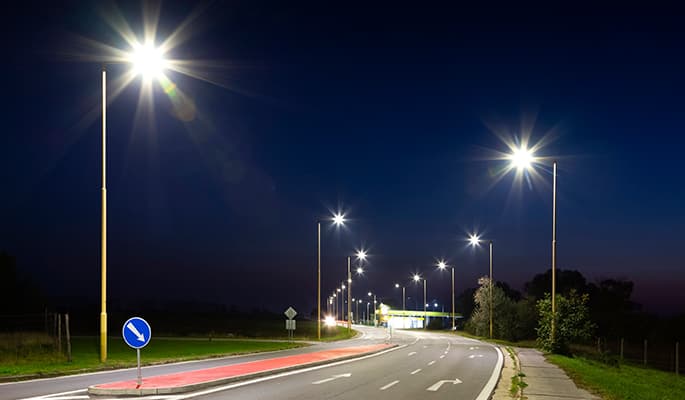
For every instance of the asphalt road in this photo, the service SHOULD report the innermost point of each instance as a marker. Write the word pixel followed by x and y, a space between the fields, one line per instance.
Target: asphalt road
pixel 435 365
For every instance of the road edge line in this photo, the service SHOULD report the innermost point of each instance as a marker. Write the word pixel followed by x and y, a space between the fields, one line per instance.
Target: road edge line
pixel 489 387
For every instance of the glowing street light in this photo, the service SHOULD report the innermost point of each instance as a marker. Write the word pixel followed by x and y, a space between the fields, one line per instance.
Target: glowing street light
pixel 523 159
pixel 442 266
pixel 338 220
pixel 417 278
pixel 474 240
pixel 148 61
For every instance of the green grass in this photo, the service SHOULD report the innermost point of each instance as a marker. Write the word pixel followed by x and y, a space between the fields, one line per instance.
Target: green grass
pixel 31 354
pixel 85 354
pixel 627 382
pixel 522 343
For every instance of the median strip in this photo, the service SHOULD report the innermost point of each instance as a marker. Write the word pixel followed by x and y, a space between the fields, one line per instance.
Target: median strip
pixel 195 380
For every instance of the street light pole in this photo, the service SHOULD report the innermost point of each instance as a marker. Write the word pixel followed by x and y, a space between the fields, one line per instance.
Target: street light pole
pixel 453 327
pixel 318 281
pixel 349 296
pixel 554 249
pixel 425 316
pixel 491 288
pixel 103 232
pixel 404 297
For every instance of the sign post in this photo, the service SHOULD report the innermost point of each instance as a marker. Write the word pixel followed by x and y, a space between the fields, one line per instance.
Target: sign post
pixel 290 322
pixel 137 333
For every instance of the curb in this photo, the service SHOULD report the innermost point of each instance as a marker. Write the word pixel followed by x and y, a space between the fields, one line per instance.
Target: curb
pixel 94 390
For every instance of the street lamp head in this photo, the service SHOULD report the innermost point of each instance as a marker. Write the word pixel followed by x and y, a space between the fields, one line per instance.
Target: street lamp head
pixel 370 293
pixel 474 240
pixel 442 265
pixel 397 285
pixel 417 277
pixel 147 60
pixel 361 255
pixel 338 289
pixel 360 270
pixel 521 159
pixel 435 305
pixel 360 301
pixel 343 286
pixel 339 219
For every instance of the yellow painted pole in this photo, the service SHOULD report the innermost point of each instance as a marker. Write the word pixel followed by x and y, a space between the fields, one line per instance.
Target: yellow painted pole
pixel 103 233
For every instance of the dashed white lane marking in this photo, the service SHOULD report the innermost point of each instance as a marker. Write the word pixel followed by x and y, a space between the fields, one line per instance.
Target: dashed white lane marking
pixel 473 348
pixel 425 347
pixel 416 371
pixel 411 354
pixel 442 356
pixel 432 362
pixel 389 385
pixel 476 356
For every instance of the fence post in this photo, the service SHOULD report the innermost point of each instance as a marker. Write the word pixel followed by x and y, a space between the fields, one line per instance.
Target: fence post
pixel 644 356
pixel 59 333
pixel 621 349
pixel 677 359
pixel 66 323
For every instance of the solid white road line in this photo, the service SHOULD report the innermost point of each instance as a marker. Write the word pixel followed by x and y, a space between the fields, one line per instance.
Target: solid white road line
pixel 389 385
pixel 416 371
pixel 488 388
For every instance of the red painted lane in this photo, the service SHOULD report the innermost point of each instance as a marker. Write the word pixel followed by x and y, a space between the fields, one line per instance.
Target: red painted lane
pixel 228 371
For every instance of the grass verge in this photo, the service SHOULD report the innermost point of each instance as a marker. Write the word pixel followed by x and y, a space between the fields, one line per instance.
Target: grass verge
pixel 627 382
pixel 85 355
pixel 522 343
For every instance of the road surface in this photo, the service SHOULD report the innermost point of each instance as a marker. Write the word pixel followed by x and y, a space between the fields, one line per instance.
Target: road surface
pixel 424 365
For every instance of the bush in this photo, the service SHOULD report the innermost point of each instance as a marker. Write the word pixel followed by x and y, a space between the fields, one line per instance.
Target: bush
pixel 572 322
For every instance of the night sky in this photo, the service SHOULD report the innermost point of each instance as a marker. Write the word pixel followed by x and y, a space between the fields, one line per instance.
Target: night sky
pixel 387 112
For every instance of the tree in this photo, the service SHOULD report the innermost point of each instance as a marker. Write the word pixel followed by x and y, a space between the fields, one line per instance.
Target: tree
pixel 611 306
pixel 572 322
pixel 504 313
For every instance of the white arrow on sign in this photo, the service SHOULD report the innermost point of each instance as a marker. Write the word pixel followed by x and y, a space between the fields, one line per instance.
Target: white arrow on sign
pixel 334 377
pixel 133 329
pixel 437 385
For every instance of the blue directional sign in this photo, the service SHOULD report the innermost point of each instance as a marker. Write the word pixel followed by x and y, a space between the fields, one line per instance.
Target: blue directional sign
pixel 136 332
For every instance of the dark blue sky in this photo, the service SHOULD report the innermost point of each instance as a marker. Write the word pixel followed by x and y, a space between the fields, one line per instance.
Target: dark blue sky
pixel 386 111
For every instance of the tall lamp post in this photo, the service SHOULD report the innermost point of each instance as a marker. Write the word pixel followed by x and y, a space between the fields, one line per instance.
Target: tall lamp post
pixel 338 220
pixel 417 278
pixel 474 240
pixel 147 61
pixel 374 307
pixel 361 256
pixel 397 285
pixel 522 159
pixel 442 266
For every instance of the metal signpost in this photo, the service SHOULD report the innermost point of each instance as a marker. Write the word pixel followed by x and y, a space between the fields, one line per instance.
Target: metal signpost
pixel 290 322
pixel 137 334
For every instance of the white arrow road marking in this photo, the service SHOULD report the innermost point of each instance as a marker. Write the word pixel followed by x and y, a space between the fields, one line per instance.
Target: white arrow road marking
pixel 416 371
pixel 133 329
pixel 476 356
pixel 473 348
pixel 334 377
pixel 432 362
pixel 411 354
pixel 437 385
pixel 389 385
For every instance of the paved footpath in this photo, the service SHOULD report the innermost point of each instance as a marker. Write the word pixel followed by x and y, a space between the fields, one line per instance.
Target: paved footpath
pixel 546 381
pixel 188 381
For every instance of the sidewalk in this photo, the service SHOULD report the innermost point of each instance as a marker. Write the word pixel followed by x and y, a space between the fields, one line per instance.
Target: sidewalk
pixel 194 380
pixel 545 381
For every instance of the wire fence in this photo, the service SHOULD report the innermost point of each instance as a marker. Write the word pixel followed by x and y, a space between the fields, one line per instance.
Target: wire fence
pixel 658 354
pixel 25 335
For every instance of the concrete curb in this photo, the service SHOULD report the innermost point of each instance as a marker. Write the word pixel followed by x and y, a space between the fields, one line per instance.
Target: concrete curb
pixel 94 390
